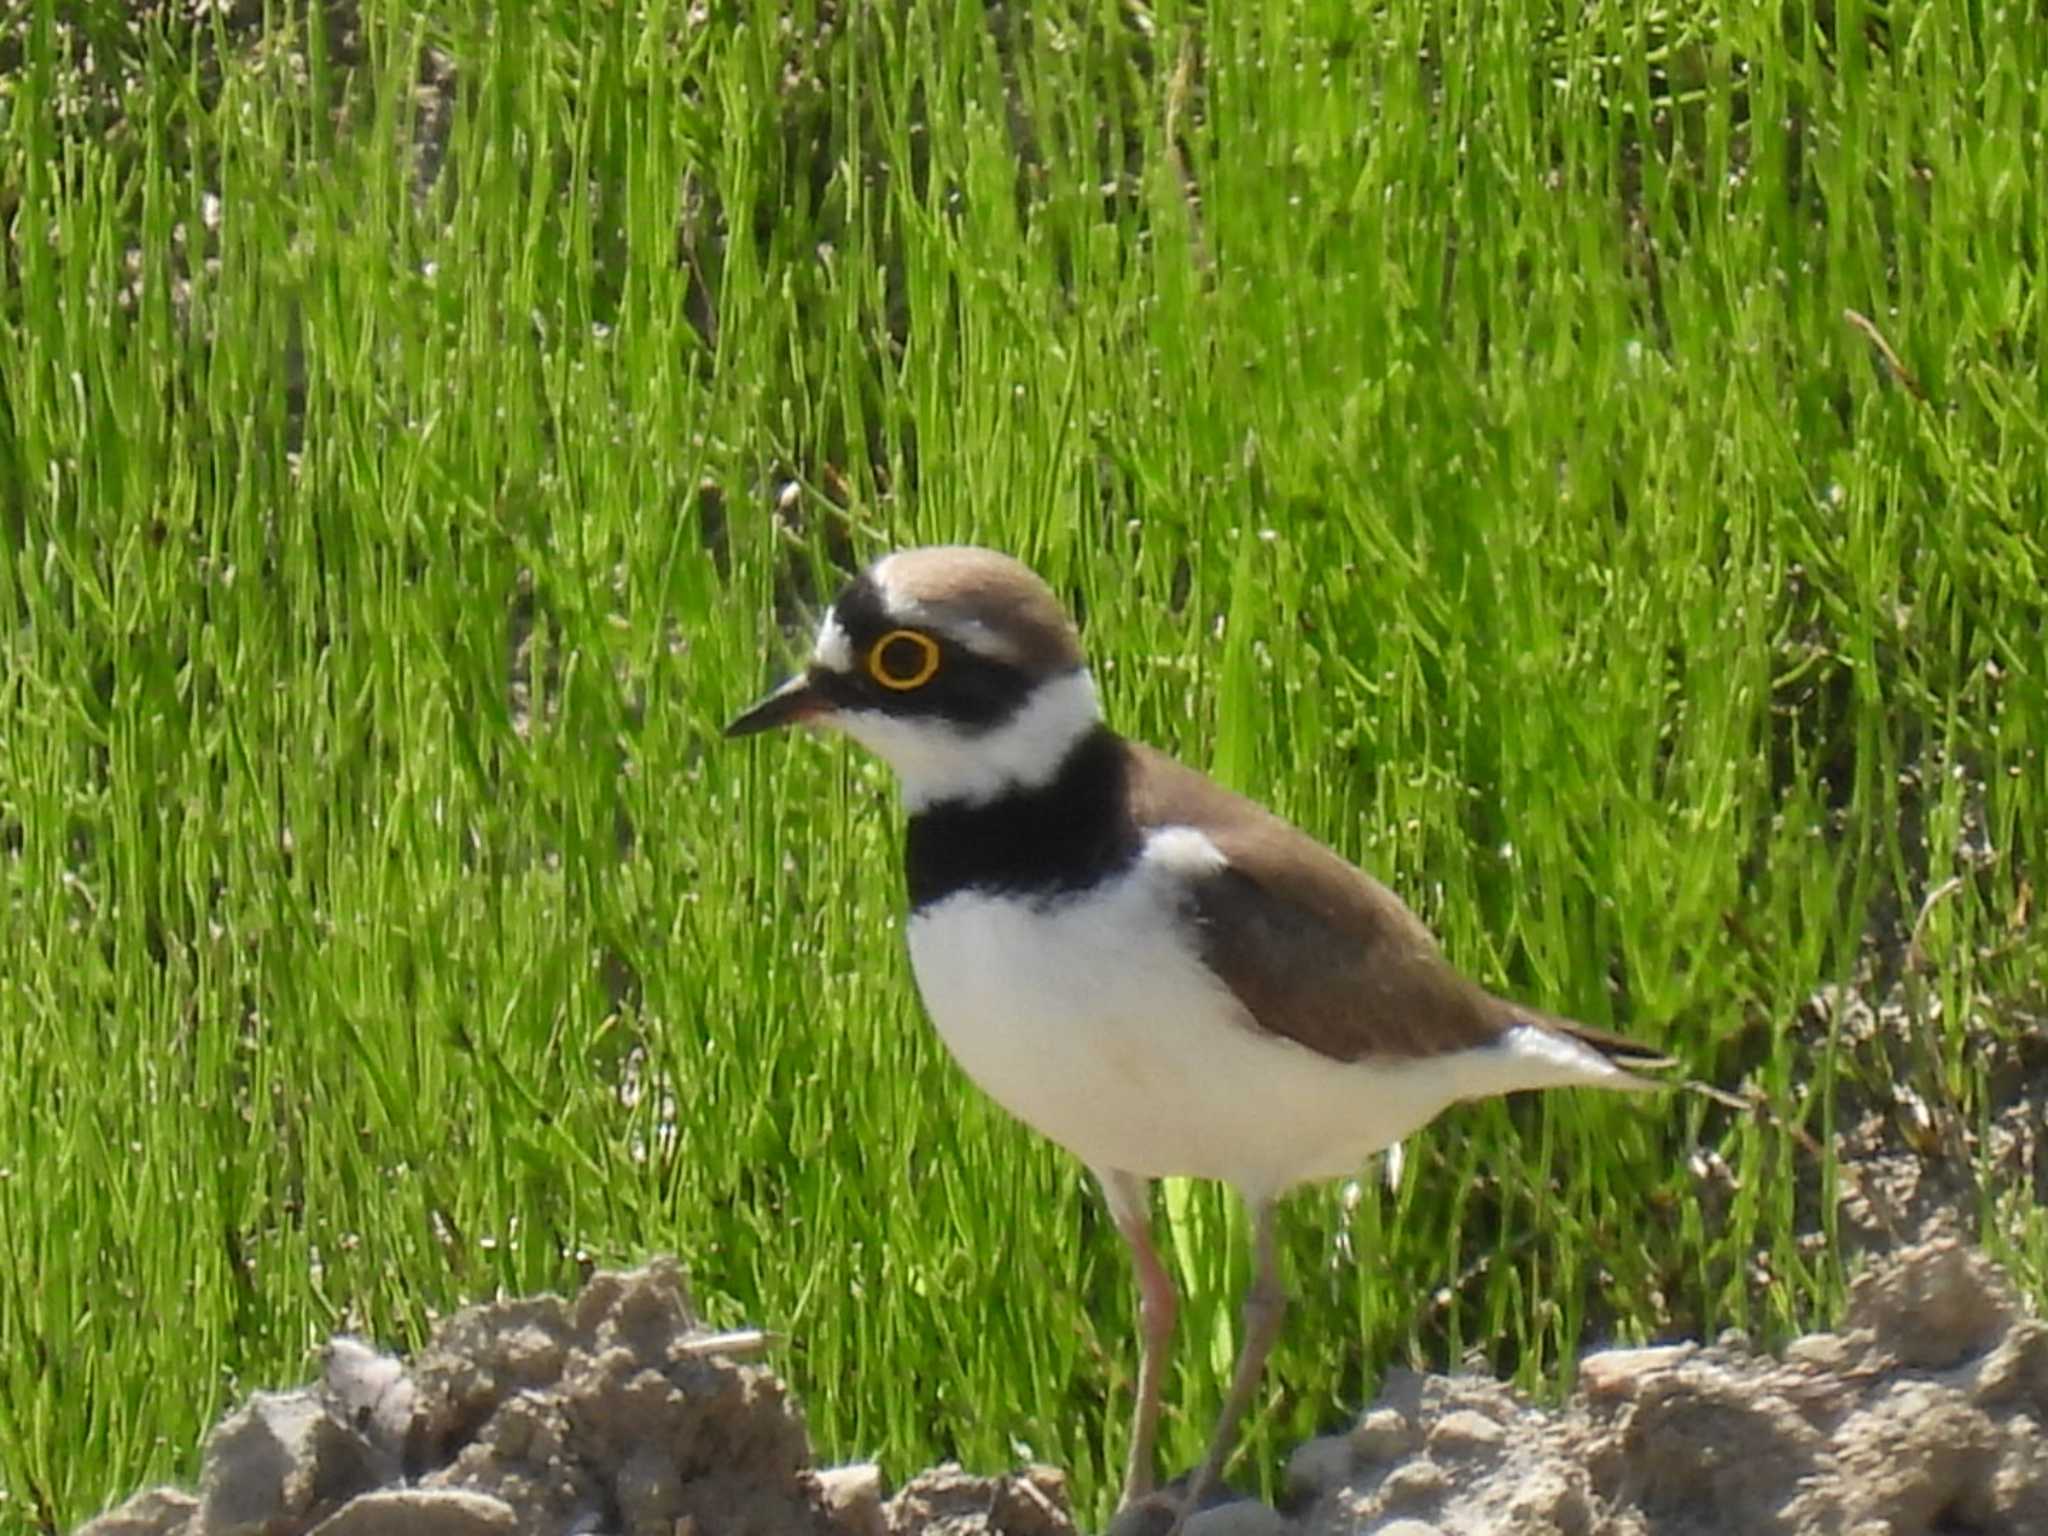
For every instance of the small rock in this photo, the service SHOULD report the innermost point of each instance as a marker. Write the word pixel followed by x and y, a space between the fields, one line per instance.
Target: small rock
pixel 1319 1465
pixel 2016 1371
pixel 1241 1517
pixel 1615 1372
pixel 1820 1352
pixel 852 1495
pixel 420 1512
pixel 1032 1502
pixel 948 1501
pixel 1464 1432
pixel 1416 1482
pixel 277 1462
pixel 1385 1434
pixel 156 1512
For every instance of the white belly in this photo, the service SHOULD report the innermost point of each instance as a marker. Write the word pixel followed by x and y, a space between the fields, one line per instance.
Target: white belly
pixel 1094 1022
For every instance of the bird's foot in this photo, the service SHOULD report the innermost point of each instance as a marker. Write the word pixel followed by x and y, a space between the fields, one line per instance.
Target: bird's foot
pixel 1158 1513
pixel 1167 1511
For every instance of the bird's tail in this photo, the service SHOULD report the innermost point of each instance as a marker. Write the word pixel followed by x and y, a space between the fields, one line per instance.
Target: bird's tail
pixel 1639 1061
pixel 1629 1055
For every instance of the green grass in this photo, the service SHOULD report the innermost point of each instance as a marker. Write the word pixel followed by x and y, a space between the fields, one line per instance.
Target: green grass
pixel 1445 416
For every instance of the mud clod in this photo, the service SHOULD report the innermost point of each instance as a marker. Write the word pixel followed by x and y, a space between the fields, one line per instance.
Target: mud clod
pixel 602 1415
pixel 947 1501
pixel 423 1512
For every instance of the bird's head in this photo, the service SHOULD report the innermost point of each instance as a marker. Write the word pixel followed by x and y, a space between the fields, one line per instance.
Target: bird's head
pixel 954 665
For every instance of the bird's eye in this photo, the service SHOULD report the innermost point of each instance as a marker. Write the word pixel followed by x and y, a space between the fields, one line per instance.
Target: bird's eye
pixel 903 659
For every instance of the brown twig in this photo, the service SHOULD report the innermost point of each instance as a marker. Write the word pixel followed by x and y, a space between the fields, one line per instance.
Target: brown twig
pixel 1875 337
pixel 1178 90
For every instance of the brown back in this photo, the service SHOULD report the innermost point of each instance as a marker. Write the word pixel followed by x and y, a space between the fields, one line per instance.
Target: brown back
pixel 1315 949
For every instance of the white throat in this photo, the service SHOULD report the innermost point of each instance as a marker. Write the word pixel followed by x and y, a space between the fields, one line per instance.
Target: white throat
pixel 936 761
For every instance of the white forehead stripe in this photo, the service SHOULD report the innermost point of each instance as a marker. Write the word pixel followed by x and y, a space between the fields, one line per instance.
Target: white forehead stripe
pixel 941 618
pixel 833 649
pixel 898 604
pixel 892 599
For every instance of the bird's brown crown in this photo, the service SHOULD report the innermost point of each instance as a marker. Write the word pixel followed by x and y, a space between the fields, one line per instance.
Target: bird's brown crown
pixel 987 601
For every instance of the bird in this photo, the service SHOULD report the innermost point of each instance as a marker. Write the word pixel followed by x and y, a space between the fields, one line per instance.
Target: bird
pixel 1151 970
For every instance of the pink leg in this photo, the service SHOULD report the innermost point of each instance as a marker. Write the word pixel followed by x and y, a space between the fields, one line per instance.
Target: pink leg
pixel 1130 1208
pixel 1264 1305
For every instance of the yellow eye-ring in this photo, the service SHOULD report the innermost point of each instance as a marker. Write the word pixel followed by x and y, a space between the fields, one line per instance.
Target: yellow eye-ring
pixel 903 659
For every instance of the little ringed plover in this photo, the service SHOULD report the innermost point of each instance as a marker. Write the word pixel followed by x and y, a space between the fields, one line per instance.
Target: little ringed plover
pixel 1154 972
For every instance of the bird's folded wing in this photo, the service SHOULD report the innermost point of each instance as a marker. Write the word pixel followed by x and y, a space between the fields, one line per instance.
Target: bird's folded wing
pixel 1316 950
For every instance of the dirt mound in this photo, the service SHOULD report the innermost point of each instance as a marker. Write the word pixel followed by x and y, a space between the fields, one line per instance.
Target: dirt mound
pixel 618 1412
pixel 1927 1413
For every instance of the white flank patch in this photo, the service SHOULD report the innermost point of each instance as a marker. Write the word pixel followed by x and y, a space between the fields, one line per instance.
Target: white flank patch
pixel 1184 851
pixel 936 761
